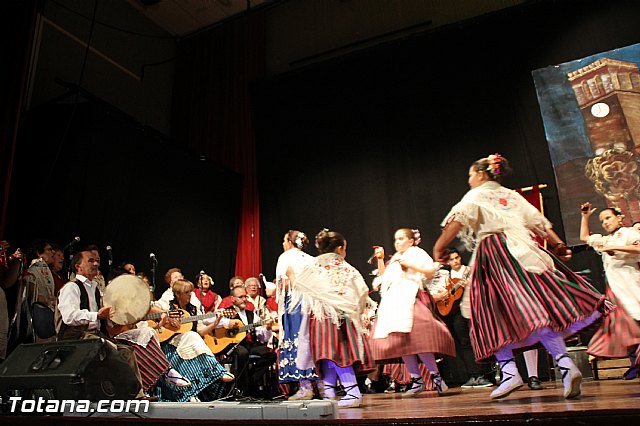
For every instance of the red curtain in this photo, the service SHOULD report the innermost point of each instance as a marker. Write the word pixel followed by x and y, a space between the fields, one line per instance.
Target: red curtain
pixel 18 24
pixel 212 113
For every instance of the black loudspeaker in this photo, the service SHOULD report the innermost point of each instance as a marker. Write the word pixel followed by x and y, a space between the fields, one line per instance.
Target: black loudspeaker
pixel 74 369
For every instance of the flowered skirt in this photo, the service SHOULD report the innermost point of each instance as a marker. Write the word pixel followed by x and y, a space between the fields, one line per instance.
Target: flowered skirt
pixel 341 344
pixel 509 304
pixel 429 334
pixel 288 347
pixel 618 336
pixel 204 372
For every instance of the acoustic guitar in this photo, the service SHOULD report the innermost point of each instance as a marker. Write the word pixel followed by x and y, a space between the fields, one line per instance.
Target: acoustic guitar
pixel 166 332
pixel 117 328
pixel 455 290
pixel 222 337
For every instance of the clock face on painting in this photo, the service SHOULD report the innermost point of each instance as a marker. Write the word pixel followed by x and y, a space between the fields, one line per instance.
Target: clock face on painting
pixel 600 110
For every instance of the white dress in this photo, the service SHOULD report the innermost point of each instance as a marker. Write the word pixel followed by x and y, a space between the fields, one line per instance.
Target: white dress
pixel 398 291
pixel 622 269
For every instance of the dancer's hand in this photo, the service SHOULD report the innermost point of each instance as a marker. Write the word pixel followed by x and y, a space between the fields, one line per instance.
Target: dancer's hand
pixel 586 209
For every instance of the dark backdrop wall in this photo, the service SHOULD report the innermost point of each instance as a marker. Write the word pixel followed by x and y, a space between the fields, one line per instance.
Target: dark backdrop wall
pixel 94 172
pixel 384 138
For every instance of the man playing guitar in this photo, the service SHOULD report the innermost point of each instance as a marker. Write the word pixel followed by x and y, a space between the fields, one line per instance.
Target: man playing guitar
pixel 460 327
pixel 249 377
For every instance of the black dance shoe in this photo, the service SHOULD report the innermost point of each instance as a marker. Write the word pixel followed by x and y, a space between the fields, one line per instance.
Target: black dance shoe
pixel 534 383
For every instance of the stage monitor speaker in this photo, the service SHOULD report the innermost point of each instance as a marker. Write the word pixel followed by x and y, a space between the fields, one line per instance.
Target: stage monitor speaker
pixel 89 369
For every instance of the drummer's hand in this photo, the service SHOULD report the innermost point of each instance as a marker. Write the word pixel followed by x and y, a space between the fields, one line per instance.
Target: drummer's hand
pixel 105 312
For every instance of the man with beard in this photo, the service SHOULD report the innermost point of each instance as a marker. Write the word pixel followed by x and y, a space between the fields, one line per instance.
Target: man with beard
pixel 249 377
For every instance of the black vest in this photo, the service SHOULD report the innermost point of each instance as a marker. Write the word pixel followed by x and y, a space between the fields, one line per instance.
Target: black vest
pixel 66 332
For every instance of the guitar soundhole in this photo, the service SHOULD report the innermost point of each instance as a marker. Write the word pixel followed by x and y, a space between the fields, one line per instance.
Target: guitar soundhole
pixel 231 333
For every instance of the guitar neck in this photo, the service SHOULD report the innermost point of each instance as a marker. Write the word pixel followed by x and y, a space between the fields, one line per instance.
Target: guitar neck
pixel 197 317
pixel 250 326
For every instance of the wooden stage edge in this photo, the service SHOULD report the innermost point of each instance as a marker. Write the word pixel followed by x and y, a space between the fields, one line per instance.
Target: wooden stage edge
pixel 606 402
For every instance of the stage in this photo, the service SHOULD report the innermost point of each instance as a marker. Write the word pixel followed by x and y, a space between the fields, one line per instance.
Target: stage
pixel 608 402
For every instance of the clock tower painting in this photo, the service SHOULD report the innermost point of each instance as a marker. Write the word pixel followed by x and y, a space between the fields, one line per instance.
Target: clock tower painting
pixel 590 108
pixel 608 95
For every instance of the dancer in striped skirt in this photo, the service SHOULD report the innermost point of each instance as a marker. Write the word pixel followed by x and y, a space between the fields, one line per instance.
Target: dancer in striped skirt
pixel 521 294
pixel 336 295
pixel 619 335
pixel 405 326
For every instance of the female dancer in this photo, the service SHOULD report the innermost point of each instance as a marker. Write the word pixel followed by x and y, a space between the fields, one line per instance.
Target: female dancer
pixel 190 356
pixel 405 326
pixel 294 341
pixel 619 335
pixel 520 293
pixel 337 296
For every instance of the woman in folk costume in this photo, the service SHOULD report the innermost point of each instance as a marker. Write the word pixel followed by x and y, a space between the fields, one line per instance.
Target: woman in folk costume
pixel 405 326
pixel 521 294
pixel 619 335
pixel 293 339
pixel 336 295
pixel 190 355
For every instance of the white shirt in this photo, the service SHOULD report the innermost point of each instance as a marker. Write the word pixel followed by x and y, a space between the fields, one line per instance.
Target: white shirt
pixel 465 302
pixel 69 304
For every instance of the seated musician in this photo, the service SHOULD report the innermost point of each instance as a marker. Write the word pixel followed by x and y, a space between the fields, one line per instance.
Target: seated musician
pixel 253 287
pixel 460 325
pixel 79 312
pixel 204 293
pixel 227 302
pixel 249 376
pixel 163 304
pixel 143 338
pixel 188 353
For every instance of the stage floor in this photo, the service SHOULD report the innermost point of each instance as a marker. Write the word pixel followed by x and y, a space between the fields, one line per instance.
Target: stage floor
pixel 606 402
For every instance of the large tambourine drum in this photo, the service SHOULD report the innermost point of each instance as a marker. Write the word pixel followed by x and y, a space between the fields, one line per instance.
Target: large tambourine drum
pixel 129 299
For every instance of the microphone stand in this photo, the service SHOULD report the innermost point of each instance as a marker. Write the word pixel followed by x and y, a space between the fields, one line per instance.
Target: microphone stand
pixel 154 265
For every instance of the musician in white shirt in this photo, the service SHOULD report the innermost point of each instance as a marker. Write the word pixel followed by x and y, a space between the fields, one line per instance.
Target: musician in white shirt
pixel 460 325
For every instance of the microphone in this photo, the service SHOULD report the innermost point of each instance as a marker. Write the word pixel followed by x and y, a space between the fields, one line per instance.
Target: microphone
pixel 72 243
pixel 153 258
pixel 202 273
pixel 110 253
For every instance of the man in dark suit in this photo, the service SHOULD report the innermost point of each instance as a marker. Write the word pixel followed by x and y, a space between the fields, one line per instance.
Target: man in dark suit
pixel 249 375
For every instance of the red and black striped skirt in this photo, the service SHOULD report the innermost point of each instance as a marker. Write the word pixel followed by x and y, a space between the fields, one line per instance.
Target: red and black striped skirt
pixel 509 304
pixel 341 344
pixel 152 362
pixel 429 334
pixel 618 335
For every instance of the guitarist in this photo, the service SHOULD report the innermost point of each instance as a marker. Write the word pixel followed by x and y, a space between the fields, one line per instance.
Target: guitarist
pixel 459 324
pixel 249 377
pixel 190 356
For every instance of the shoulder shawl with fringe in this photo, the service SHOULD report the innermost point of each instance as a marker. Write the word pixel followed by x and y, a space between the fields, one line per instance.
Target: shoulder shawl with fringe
pixel 491 208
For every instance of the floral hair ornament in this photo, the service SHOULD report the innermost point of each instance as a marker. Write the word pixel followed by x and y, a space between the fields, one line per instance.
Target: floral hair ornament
pixel 495 161
pixel 300 240
pixel 323 230
pixel 416 237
